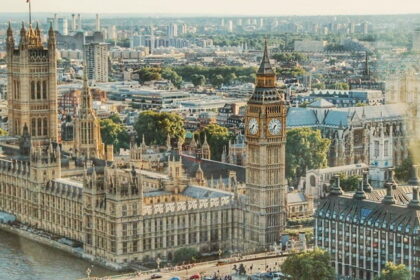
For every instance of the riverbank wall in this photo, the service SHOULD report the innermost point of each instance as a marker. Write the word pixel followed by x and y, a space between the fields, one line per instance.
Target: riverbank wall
pixel 78 252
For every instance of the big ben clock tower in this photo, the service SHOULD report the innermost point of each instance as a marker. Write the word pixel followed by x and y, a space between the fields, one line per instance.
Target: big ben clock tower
pixel 265 171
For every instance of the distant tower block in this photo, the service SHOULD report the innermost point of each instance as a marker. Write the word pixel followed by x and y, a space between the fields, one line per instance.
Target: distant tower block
pixel 98 23
pixel 73 22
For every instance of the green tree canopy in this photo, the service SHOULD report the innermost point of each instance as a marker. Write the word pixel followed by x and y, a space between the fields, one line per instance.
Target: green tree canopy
pixel 172 76
pixel 394 272
pixel 311 265
pixel 402 171
pixel 114 134
pixel 305 149
pixel 198 80
pixel 217 137
pixel 155 126
pixel 349 183
pixel 185 255
pixel 149 74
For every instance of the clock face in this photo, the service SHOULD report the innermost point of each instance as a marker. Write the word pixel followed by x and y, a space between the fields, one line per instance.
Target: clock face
pixel 274 126
pixel 253 126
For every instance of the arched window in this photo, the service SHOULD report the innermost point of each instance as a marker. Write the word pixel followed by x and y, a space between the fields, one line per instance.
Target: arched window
pixel 33 90
pixel 38 90
pixel 44 89
pixel 33 127
pixel 39 127
pixel 18 89
pixel 45 127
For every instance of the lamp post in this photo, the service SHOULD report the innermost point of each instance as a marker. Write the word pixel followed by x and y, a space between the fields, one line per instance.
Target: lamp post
pixel 158 261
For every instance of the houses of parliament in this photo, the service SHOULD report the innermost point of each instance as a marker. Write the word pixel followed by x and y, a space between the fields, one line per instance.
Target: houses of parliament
pixel 125 211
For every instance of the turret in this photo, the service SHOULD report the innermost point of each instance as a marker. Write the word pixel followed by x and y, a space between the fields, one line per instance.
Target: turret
pixel 266 77
pixel 23 38
pixel 415 203
pixel 10 41
pixel 51 38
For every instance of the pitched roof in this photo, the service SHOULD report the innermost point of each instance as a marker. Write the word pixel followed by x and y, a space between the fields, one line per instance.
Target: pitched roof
pixel 321 103
pixel 265 66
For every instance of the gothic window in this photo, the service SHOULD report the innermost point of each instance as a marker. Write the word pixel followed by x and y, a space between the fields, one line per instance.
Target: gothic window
pixel 39 127
pixel 45 127
pixel 32 90
pixel 44 90
pixel 386 149
pixel 38 90
pixel 33 127
pixel 376 151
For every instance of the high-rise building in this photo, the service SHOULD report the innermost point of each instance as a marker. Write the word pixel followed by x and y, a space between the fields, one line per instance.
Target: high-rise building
pixel 416 40
pixel 62 26
pixel 230 26
pixel 112 32
pixel 96 61
pixel 172 30
pixel 265 173
pixel 32 85
pixel 73 23
pixel 98 23
pixel 184 28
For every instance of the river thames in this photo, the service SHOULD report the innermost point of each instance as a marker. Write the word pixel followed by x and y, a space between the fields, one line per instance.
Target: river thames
pixel 22 259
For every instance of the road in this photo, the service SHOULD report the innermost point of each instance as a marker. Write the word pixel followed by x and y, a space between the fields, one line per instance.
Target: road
pixel 211 268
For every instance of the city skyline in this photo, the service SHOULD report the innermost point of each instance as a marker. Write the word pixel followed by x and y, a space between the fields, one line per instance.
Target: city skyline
pixel 218 7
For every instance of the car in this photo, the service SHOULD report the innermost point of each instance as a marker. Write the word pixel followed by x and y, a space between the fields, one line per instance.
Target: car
pixel 155 276
pixel 195 276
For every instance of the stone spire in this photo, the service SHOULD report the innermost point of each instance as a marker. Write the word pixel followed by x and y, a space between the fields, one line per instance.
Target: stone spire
pixel 23 38
pixel 10 41
pixel 265 66
pixel 336 188
pixel 87 103
pixel 360 193
pixel 51 37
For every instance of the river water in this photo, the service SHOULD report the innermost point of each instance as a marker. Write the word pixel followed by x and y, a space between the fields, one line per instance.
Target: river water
pixel 22 259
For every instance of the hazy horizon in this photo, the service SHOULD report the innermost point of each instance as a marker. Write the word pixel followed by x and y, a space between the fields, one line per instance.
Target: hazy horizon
pixel 217 7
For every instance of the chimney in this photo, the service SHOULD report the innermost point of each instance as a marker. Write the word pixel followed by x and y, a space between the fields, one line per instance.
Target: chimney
pixel 415 203
pixel 414 178
pixel 336 188
pixel 366 185
pixel 360 193
pixel 389 198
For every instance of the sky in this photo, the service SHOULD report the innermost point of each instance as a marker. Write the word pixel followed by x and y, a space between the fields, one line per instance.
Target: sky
pixel 217 7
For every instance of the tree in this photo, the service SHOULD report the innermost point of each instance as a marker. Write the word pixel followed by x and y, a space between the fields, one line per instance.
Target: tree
pixel 402 172
pixel 217 80
pixel 115 118
pixel 349 183
pixel 185 255
pixel 198 80
pixel 310 265
pixel 114 134
pixel 149 74
pixel 155 126
pixel 173 76
pixel 217 137
pixel 305 149
pixel 394 272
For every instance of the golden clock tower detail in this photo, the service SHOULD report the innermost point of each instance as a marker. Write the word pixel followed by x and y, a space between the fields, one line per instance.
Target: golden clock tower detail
pixel 265 171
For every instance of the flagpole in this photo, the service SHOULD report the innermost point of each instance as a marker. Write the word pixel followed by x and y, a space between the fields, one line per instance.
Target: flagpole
pixel 30 12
